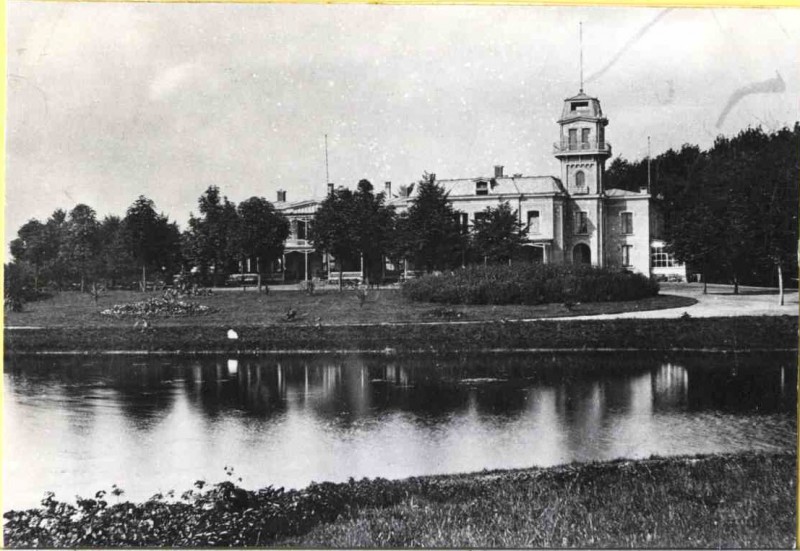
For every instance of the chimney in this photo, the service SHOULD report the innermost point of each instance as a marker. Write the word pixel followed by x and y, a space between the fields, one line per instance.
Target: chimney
pixel 281 196
pixel 387 188
pixel 498 171
pixel 330 188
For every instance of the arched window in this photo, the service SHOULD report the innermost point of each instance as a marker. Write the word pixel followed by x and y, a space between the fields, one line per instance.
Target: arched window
pixel 580 179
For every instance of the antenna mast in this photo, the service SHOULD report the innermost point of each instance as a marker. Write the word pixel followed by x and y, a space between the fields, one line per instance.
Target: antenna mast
pixel 580 32
pixel 327 175
pixel 648 164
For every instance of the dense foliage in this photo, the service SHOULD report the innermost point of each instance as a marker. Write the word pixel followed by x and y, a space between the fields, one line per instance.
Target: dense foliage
pixel 71 250
pixel 498 235
pixel 529 284
pixel 730 211
pixel 428 233
pixel 350 225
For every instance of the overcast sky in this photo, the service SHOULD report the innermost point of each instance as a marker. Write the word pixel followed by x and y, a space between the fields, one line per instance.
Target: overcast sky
pixel 110 101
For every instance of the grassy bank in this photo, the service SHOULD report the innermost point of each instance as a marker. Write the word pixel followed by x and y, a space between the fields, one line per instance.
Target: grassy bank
pixel 236 308
pixel 734 333
pixel 745 500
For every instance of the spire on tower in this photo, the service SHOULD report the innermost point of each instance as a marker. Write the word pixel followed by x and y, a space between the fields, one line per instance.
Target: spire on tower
pixel 580 32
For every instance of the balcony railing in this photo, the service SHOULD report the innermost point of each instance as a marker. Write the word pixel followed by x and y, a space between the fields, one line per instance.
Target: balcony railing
pixel 567 146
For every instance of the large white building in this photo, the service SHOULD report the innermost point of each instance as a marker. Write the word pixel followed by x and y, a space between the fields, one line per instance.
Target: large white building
pixel 570 218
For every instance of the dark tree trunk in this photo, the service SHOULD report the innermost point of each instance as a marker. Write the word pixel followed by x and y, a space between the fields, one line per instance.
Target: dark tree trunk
pixel 258 269
pixel 705 282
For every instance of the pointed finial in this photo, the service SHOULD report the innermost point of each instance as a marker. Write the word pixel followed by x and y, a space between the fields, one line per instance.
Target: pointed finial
pixel 580 32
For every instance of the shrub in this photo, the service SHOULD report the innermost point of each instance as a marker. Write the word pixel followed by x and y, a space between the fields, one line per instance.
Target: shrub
pixel 157 308
pixel 529 284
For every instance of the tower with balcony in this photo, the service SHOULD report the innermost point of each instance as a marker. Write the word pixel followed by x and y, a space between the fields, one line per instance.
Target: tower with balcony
pixel 583 150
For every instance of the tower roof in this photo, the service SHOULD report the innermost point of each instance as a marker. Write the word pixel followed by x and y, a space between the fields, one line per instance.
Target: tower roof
pixel 581 106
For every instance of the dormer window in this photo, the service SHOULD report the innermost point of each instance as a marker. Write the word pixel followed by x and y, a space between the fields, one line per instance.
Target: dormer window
pixel 579 106
pixel 482 188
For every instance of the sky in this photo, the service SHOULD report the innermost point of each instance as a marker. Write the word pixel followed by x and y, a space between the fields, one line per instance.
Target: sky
pixel 107 102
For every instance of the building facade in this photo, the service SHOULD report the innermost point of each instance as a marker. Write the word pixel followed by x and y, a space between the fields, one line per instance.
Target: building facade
pixel 572 218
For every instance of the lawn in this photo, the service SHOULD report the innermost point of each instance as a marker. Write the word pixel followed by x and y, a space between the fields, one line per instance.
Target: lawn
pixel 237 308
pixel 729 501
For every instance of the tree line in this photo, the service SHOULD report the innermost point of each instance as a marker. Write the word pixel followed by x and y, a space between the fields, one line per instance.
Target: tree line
pixel 72 249
pixel 730 212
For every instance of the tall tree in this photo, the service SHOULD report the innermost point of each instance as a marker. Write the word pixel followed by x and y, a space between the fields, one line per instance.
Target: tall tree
pixel 334 231
pixel 35 246
pixel 428 233
pixel 152 241
pixel 262 232
pixel 374 221
pixel 82 242
pixel 498 235
pixel 211 242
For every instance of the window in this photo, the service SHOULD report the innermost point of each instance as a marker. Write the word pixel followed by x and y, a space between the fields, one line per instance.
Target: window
pixel 482 188
pixel 627 222
pixel 533 221
pixel 480 216
pixel 301 229
pixel 584 138
pixel 660 258
pixel 573 138
pixel 581 223
pixel 462 220
pixel 626 255
pixel 580 179
pixel 579 106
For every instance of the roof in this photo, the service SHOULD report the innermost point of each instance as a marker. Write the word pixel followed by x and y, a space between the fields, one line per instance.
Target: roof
pixel 506 185
pixel 592 110
pixel 626 193
pixel 307 206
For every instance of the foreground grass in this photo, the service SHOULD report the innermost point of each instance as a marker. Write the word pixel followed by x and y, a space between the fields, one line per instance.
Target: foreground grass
pixel 236 308
pixel 734 333
pixel 745 500
pixel 723 501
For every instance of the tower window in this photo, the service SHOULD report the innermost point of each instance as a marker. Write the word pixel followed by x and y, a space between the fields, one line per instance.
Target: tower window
pixel 533 221
pixel 573 138
pixel 482 188
pixel 581 223
pixel 627 222
pixel 579 106
pixel 580 180
pixel 585 138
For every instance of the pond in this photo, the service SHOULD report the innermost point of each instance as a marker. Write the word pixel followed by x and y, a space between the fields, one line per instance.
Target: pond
pixel 75 425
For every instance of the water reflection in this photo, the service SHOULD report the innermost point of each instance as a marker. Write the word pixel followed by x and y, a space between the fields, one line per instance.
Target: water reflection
pixel 75 425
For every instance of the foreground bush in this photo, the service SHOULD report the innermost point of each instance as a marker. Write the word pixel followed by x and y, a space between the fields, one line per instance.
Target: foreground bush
pixel 530 284
pixel 713 501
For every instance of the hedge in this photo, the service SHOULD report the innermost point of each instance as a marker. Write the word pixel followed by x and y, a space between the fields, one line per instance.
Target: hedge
pixel 530 284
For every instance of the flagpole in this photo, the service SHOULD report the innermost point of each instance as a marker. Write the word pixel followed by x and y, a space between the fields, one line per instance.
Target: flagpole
pixel 648 164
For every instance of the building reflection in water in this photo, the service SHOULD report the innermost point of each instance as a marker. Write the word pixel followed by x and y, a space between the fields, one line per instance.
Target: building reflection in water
pixel 290 420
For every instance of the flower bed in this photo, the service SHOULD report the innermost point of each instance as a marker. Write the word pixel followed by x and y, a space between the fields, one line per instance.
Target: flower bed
pixel 530 284
pixel 157 308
